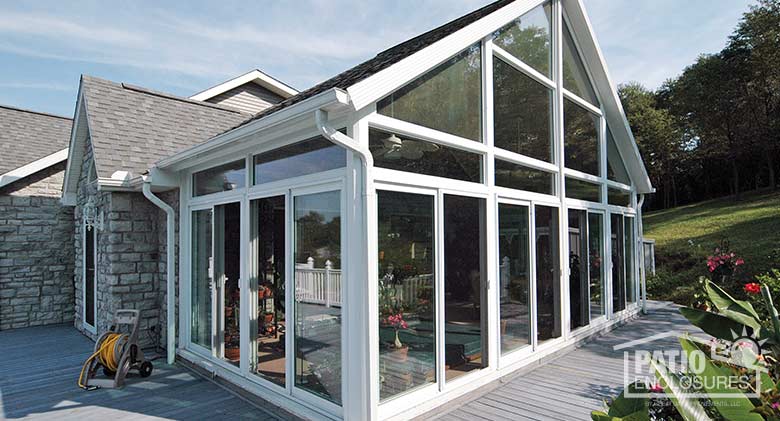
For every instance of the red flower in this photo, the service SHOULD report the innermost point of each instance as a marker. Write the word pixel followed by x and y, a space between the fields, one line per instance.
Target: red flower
pixel 656 388
pixel 753 288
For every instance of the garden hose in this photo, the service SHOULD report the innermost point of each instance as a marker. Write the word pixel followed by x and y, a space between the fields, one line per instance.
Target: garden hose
pixel 106 355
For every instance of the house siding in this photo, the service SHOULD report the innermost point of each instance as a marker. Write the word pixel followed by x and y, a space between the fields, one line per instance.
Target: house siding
pixel 36 249
pixel 249 97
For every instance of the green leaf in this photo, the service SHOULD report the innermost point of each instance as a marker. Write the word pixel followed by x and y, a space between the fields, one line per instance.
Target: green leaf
pixel 736 406
pixel 600 416
pixel 714 324
pixel 724 301
pixel 624 406
pixel 689 408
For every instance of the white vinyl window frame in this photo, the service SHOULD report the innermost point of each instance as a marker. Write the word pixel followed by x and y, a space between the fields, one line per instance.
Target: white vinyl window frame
pixel 93 234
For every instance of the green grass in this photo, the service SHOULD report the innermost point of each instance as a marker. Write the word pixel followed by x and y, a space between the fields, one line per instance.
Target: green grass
pixel 686 235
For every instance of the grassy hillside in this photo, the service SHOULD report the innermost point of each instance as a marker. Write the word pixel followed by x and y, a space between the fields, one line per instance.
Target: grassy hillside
pixel 686 235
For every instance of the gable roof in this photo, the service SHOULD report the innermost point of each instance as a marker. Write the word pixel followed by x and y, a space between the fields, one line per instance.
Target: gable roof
pixel 254 76
pixel 385 59
pixel 132 127
pixel 29 136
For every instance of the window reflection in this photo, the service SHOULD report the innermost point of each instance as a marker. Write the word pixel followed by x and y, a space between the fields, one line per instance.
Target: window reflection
pixel 407 329
pixel 225 177
pixel 302 158
pixel 616 169
pixel 628 230
pixel 579 294
pixel 581 138
pixel 583 190
pixel 522 117
pixel 518 177
pixel 575 77
pixel 202 278
pixel 618 264
pixel 548 291
pixel 447 98
pixel 528 38
pixel 514 277
pixel 464 283
pixel 318 294
pixel 597 276
pixel 403 153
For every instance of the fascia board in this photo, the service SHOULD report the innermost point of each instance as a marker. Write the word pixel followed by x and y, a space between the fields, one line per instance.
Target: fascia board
pixel 33 167
pixel 256 76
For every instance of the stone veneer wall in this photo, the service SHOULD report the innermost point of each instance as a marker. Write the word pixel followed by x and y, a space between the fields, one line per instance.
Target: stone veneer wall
pixel 131 257
pixel 36 252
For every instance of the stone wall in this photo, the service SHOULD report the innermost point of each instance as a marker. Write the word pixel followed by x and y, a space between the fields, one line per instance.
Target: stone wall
pixel 36 252
pixel 131 257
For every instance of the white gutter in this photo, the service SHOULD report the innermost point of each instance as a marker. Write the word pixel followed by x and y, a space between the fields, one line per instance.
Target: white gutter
pixel 641 237
pixel 170 265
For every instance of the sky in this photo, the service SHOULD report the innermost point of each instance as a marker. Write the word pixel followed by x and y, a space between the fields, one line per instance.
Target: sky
pixel 46 45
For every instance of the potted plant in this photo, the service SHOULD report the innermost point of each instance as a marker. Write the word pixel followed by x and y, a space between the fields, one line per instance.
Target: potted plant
pixel 268 316
pixel 397 322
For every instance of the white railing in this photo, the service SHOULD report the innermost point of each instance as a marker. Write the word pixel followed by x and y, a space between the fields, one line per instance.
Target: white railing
pixel 318 285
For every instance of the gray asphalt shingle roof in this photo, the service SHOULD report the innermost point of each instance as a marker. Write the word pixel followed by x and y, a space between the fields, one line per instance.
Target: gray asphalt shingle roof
pixel 131 128
pixel 27 136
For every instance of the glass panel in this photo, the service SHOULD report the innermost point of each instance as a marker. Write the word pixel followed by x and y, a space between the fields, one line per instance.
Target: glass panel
pixel 581 138
pixel 548 290
pixel 618 264
pixel 575 77
pixel 227 267
pixel 598 301
pixel 201 278
pixel 618 197
pixel 616 170
pixel 522 118
pixel 528 38
pixel 267 289
pixel 514 258
pixel 518 177
pixel 582 190
pixel 318 294
pixel 579 294
pixel 407 328
pixel 302 158
pixel 404 153
pixel 89 276
pixel 225 177
pixel 447 98
pixel 464 283
pixel 630 258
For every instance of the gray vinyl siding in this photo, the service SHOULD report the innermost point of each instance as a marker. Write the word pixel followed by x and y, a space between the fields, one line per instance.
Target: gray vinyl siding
pixel 249 97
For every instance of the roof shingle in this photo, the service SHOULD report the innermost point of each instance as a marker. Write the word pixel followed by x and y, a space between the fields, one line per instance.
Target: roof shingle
pixel 131 128
pixel 27 136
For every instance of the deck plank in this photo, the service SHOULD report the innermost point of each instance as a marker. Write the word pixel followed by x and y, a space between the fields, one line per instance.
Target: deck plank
pixel 575 382
pixel 39 368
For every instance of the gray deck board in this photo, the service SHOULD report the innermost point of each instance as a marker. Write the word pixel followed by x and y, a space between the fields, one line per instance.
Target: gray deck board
pixel 574 383
pixel 39 368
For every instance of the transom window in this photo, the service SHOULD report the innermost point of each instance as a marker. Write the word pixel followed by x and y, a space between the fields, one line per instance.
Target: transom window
pixel 221 178
pixel 307 157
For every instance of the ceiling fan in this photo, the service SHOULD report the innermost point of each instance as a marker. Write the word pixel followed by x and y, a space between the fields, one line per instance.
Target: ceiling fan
pixel 393 147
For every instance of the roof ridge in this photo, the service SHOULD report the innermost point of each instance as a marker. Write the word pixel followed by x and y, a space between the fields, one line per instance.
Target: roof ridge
pixel 25 110
pixel 166 95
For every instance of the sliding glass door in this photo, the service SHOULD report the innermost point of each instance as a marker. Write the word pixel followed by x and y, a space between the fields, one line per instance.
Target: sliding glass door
pixel 514 276
pixel 548 286
pixel 318 292
pixel 586 278
pixel 216 281
pixel 267 315
pixel 618 263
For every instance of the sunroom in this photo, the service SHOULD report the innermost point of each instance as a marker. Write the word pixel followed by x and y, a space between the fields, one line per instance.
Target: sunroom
pixel 396 237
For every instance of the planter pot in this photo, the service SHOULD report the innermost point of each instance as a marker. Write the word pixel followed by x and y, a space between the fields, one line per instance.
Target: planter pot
pixel 398 355
pixel 233 354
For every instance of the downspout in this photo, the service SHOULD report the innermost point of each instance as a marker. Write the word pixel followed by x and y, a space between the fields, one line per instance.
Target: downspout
pixel 367 160
pixel 642 252
pixel 170 265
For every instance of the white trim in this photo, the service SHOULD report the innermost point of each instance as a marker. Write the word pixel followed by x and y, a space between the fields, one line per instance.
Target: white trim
pixel 33 167
pixel 255 76
pixel 581 102
pixel 522 67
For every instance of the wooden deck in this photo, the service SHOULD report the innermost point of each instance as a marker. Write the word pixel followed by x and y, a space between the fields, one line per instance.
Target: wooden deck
pixel 574 382
pixel 39 367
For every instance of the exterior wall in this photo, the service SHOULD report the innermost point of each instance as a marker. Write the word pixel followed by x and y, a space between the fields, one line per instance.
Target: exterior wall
pixel 130 264
pixel 36 249
pixel 249 97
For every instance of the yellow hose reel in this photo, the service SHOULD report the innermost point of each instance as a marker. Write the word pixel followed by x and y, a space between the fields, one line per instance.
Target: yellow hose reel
pixel 117 353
